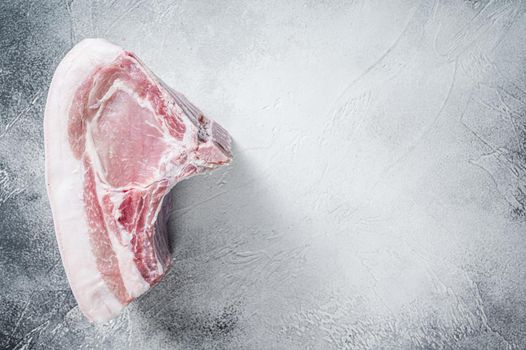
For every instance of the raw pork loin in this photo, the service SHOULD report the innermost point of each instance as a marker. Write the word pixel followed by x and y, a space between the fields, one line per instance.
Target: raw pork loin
pixel 117 140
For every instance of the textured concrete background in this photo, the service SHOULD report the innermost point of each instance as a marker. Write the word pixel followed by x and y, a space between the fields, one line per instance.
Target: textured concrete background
pixel 378 195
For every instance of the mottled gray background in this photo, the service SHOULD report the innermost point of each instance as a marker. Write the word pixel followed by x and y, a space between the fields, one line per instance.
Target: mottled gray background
pixel 378 195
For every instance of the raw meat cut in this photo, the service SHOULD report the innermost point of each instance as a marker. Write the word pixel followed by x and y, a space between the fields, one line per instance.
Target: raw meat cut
pixel 117 139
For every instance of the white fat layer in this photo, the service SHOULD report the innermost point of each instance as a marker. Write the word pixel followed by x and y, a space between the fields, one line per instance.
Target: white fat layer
pixel 64 179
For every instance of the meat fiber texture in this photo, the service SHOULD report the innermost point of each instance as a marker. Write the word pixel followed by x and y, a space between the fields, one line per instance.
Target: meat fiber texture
pixel 117 139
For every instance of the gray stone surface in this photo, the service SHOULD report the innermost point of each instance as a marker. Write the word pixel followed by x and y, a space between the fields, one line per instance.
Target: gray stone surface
pixel 377 199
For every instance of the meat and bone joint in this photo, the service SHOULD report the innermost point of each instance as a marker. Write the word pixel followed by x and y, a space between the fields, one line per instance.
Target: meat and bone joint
pixel 117 140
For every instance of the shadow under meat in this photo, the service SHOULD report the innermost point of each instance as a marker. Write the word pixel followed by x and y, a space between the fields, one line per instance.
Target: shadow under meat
pixel 196 305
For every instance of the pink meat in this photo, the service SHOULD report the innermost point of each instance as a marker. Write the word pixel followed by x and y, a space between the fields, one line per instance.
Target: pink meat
pixel 117 140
